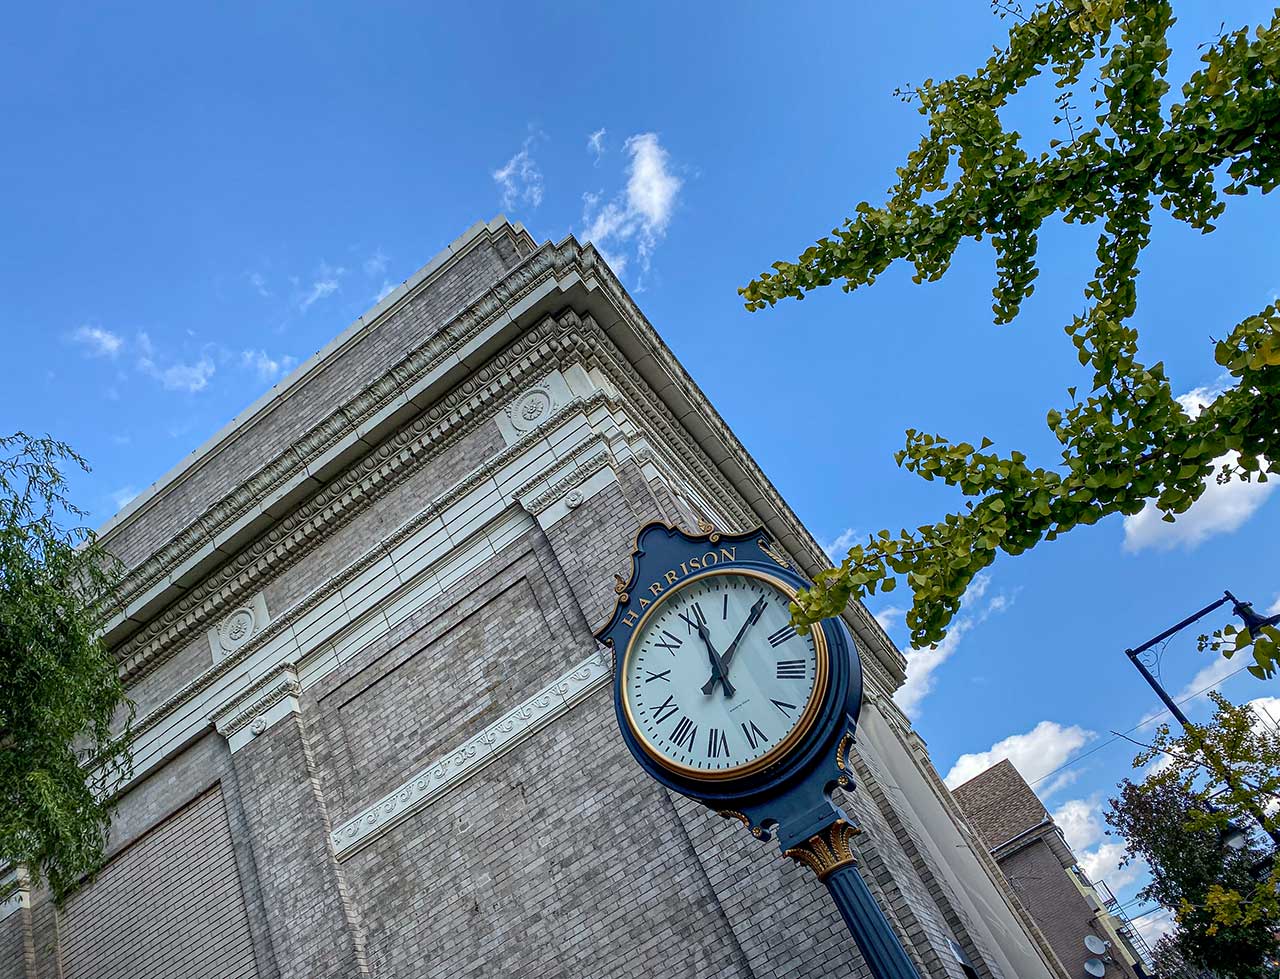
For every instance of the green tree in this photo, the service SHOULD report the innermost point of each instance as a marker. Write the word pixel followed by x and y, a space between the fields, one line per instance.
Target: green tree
pixel 1128 440
pixel 60 691
pixel 1212 779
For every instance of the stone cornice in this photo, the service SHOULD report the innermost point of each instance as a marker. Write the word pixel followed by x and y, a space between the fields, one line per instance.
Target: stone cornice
pixel 348 494
pixel 547 263
pixel 334 584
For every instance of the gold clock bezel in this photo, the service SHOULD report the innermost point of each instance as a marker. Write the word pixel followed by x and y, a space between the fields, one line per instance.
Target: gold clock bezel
pixel 779 751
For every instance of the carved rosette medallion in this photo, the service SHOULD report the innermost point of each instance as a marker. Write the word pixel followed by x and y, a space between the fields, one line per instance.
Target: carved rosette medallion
pixel 531 409
pixel 829 850
pixel 236 629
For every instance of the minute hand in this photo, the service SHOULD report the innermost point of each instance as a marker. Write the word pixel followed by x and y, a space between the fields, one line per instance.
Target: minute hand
pixel 757 610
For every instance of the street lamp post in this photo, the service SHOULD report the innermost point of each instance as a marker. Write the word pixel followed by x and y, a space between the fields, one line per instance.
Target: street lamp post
pixel 1252 623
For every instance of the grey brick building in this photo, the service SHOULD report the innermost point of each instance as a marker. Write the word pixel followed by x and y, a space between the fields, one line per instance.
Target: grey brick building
pixel 374 735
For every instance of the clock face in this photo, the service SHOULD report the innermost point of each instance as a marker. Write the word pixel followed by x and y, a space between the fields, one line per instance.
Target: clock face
pixel 716 682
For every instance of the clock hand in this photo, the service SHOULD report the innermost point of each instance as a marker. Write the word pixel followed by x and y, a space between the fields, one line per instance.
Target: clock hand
pixel 757 610
pixel 717 671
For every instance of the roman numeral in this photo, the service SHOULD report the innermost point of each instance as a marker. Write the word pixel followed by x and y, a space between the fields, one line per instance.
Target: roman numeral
pixel 672 643
pixel 783 706
pixel 695 618
pixel 726 606
pixel 791 669
pixel 664 675
pixel 782 635
pixel 685 730
pixel 753 734
pixel 717 743
pixel 664 710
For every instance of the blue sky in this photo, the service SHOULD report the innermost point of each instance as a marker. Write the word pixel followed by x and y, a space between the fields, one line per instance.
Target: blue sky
pixel 194 200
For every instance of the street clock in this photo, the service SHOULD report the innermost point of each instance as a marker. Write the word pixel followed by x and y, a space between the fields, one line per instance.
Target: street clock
pixel 720 698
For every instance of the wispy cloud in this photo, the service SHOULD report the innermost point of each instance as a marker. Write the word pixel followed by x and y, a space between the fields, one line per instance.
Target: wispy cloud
pixel 266 367
pixel 1036 753
pixel 595 144
pixel 1222 509
pixel 98 342
pixel 519 179
pixel 178 375
pixel 386 290
pixel 637 218
pixel 326 282
pixel 124 496
pixel 375 266
pixel 922 663
pixel 259 283
pixel 890 616
pixel 838 547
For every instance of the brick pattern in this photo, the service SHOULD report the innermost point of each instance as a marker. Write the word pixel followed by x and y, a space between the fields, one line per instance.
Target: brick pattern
pixel 168 907
pixel 557 862
pixel 1059 908
pixel 908 833
pixel 314 931
pixel 444 673
pixel 17 949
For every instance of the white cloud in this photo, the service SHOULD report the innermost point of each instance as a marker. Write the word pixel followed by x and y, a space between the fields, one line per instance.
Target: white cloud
pixel 1267 712
pixel 266 367
pixel 838 548
pixel 520 179
pixel 921 663
pixel 326 283
pixel 177 376
pixel 259 283
pixel 1103 863
pixel 1222 509
pixel 124 496
pixel 1274 607
pixel 1080 821
pixel 638 217
pixel 1154 926
pixel 97 341
pixel 375 266
pixel 890 616
pixel 1047 746
pixel 387 288
pixel 595 143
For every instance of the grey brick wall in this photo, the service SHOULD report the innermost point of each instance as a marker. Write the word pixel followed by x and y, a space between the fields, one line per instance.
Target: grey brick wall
pixel 556 862
pixel 17 948
pixel 170 905
pixel 314 932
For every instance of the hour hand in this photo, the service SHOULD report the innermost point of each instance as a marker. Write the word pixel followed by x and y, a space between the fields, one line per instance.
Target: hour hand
pixel 717 671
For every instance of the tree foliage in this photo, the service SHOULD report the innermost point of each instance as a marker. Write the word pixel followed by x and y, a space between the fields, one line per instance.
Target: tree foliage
pixel 60 691
pixel 1212 778
pixel 1128 440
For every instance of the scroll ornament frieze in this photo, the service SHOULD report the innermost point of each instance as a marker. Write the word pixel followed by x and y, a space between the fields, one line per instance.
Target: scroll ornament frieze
pixel 460 763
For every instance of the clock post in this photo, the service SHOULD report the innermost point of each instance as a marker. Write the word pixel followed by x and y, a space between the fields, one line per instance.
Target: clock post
pixel 719 698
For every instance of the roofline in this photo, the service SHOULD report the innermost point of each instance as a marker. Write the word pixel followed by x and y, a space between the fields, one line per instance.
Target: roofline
pixel 321 358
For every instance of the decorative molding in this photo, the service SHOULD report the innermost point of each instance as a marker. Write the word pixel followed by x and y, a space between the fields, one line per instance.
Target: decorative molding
pixel 347 495
pixel 826 852
pixel 376 553
pixel 581 472
pixel 20 897
pixel 459 764
pixel 273 696
pixel 238 627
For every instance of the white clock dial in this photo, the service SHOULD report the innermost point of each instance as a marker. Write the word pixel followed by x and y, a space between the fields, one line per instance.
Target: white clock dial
pixel 716 682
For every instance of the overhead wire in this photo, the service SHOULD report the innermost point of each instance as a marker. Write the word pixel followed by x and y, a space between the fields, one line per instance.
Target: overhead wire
pixel 1142 723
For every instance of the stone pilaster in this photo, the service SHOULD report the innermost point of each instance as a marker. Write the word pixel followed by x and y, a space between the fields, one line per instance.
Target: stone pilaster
pixel 314 929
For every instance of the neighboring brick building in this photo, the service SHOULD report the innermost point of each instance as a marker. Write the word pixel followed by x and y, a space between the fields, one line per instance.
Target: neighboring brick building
pixel 1035 857
pixel 374 735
